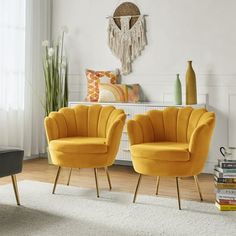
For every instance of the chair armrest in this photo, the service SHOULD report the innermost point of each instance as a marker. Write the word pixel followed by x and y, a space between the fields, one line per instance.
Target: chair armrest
pixel 201 137
pixel 135 132
pixel 115 130
pixel 51 128
pixel 140 130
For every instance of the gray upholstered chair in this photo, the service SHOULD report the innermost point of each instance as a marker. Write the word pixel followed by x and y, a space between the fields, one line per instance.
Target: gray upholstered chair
pixel 11 164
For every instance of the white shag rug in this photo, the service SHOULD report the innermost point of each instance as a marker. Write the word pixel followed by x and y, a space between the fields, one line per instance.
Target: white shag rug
pixel 76 211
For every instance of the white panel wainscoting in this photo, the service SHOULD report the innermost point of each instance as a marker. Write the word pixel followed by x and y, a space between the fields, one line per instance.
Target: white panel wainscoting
pixel 232 120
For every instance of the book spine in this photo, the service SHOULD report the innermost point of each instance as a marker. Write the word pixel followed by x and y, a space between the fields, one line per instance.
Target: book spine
pixel 227 191
pixel 225 170
pixel 225 185
pixel 229 175
pixel 225 175
pixel 224 180
pixel 228 165
pixel 226 202
pixel 225 207
pixel 225 197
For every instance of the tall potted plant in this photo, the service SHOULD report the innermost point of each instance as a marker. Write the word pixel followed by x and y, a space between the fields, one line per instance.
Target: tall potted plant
pixel 55 67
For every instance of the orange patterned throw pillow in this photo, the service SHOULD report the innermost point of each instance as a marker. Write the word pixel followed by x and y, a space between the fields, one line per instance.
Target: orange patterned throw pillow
pixel 113 93
pixel 134 93
pixel 94 78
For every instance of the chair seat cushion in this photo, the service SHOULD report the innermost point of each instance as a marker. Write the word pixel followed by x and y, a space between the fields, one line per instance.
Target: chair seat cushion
pixel 163 151
pixel 79 145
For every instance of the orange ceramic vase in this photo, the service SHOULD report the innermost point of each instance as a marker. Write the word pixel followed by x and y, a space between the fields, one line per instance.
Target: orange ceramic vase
pixel 191 88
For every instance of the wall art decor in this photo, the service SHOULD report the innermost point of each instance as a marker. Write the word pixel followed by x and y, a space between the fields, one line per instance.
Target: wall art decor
pixel 127 34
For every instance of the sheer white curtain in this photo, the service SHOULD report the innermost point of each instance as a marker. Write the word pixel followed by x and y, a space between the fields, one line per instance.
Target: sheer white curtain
pixel 12 71
pixel 23 26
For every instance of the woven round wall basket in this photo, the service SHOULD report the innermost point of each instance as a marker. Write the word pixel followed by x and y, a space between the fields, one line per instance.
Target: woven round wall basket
pixel 126 9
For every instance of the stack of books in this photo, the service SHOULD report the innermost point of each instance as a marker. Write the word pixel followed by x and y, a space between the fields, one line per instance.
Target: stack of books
pixel 225 183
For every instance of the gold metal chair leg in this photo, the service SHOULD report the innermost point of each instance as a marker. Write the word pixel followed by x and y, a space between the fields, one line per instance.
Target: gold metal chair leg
pixel 157 184
pixel 177 185
pixel 68 181
pixel 56 179
pixel 137 187
pixel 14 183
pixel 108 178
pixel 198 187
pixel 96 181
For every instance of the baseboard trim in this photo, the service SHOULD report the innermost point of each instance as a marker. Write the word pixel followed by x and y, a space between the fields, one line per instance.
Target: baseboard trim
pixel 40 155
pixel 123 163
pixel 209 167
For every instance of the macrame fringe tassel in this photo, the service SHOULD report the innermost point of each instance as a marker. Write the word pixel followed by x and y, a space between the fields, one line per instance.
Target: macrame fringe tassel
pixel 126 44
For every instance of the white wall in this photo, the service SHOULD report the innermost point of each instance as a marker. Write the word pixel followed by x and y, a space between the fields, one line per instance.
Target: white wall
pixel 201 30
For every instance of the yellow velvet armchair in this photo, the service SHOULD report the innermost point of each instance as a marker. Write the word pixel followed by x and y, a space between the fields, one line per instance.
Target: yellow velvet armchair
pixel 171 142
pixel 84 137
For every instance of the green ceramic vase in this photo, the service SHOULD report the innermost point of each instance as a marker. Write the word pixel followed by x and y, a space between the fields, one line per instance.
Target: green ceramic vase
pixel 177 91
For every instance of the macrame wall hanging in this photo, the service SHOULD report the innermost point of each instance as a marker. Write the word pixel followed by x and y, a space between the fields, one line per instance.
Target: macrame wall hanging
pixel 127 34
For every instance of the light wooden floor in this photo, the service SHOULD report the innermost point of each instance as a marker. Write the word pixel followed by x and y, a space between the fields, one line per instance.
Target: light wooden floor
pixel 123 178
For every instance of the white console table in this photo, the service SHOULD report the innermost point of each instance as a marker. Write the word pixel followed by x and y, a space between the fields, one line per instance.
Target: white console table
pixel 131 109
